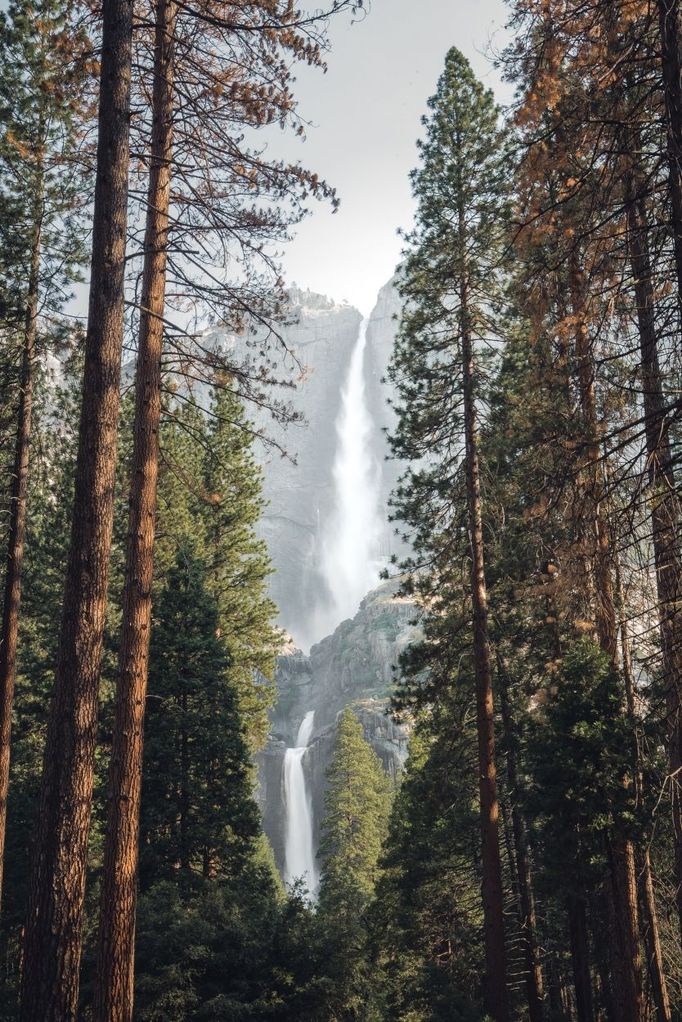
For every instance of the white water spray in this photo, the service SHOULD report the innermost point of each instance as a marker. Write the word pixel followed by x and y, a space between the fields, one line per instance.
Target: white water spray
pixel 299 853
pixel 350 563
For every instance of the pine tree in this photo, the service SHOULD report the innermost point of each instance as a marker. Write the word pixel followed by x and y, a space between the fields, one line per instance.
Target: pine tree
pixel 451 289
pixel 426 921
pixel 356 812
pixel 581 803
pixel 43 62
pixel 115 978
pixel 357 804
pixel 198 815
pixel 52 943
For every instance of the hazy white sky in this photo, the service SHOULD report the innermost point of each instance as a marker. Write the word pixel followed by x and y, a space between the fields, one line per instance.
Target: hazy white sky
pixel 365 119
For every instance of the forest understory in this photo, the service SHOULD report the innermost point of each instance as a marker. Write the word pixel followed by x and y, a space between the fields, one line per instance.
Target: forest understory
pixel 527 865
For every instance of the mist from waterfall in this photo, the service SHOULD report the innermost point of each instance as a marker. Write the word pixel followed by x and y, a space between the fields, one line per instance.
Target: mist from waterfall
pixel 349 558
pixel 299 851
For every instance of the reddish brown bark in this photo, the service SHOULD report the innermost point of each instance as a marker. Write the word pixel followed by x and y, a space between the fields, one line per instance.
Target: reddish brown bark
pixel 492 893
pixel 115 952
pixel 659 984
pixel 11 606
pixel 52 940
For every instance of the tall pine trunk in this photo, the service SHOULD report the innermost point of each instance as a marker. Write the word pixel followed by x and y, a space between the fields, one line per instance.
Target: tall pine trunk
pixel 664 503
pixel 11 606
pixel 627 958
pixel 493 913
pixel 52 939
pixel 659 986
pixel 116 940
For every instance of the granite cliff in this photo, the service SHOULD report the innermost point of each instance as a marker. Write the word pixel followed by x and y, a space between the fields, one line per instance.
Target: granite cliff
pixel 353 664
pixel 300 490
pixel 352 667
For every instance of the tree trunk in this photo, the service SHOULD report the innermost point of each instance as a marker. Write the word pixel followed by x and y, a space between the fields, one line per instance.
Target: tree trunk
pixel 628 990
pixel 652 938
pixel 116 939
pixel 665 511
pixel 11 606
pixel 659 985
pixel 534 983
pixel 52 940
pixel 627 962
pixel 580 958
pixel 671 64
pixel 493 914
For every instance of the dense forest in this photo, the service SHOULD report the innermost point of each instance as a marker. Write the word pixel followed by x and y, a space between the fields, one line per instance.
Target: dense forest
pixel 528 862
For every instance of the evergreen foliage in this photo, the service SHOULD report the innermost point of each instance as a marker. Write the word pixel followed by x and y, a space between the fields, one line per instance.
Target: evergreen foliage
pixel 357 804
pixel 426 920
pixel 198 816
pixel 538 822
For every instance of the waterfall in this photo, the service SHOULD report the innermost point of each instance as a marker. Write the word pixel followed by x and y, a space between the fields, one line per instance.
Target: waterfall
pixel 349 561
pixel 299 853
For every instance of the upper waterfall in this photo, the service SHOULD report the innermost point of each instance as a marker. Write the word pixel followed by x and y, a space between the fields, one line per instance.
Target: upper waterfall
pixel 326 559
pixel 350 544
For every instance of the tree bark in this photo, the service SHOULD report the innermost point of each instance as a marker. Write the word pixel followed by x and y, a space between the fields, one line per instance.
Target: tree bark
pixel 652 937
pixel 659 984
pixel 11 606
pixel 628 989
pixel 116 939
pixel 52 939
pixel 665 510
pixel 492 894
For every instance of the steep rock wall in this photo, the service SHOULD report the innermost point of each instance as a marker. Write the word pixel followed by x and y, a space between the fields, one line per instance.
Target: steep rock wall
pixel 353 667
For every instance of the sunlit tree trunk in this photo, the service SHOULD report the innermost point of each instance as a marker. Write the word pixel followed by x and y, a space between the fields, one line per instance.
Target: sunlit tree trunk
pixel 52 940
pixel 493 914
pixel 115 953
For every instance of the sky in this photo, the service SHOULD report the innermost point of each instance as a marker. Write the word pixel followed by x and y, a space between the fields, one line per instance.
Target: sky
pixel 364 116
pixel 363 120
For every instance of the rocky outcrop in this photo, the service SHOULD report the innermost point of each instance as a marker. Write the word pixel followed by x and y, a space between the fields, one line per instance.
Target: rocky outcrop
pixel 353 667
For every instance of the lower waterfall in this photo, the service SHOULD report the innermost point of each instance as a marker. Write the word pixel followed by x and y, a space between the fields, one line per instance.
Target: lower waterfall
pixel 299 852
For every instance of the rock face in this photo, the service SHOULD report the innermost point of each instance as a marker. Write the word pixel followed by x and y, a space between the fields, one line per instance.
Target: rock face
pixel 381 332
pixel 352 667
pixel 300 496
